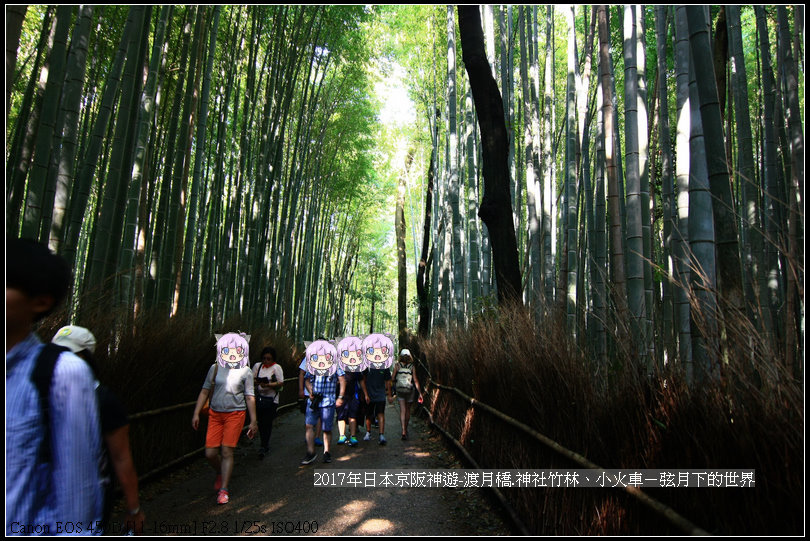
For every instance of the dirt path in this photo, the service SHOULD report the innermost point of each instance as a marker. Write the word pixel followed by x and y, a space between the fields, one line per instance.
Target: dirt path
pixel 276 496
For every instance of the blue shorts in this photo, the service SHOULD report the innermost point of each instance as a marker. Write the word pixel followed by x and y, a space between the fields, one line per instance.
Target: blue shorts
pixel 326 415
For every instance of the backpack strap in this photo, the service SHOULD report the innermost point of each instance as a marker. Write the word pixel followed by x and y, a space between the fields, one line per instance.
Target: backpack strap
pixel 42 377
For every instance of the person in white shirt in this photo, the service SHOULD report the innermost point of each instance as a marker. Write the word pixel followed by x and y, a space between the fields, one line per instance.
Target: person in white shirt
pixel 269 379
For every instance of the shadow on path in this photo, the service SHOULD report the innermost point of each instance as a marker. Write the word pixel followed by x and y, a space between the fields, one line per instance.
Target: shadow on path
pixel 276 496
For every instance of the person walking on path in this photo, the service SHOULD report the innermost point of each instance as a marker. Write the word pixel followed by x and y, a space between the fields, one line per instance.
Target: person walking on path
pixel 356 396
pixel 269 377
pixel 378 349
pixel 378 382
pixel 114 430
pixel 324 378
pixel 232 382
pixel 52 458
pixel 407 386
pixel 352 360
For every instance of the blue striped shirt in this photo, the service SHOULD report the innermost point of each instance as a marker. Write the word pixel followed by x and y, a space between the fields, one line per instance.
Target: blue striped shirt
pixel 63 496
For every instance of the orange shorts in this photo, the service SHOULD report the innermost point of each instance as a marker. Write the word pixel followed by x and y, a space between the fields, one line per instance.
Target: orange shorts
pixel 224 428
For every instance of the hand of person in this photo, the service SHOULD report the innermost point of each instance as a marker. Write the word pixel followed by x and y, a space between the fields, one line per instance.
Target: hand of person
pixel 252 429
pixel 195 421
pixel 135 522
pixel 390 399
pixel 368 399
pixel 339 402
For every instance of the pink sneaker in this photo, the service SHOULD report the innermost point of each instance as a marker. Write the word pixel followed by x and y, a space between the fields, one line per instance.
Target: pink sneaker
pixel 218 482
pixel 222 497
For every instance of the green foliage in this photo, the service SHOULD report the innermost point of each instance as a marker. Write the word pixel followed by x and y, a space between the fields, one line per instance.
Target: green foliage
pixel 31 28
pixel 335 142
pixel 414 36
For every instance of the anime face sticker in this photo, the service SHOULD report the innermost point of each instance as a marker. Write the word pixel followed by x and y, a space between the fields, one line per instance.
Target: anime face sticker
pixel 321 358
pixel 350 355
pixel 379 351
pixel 233 350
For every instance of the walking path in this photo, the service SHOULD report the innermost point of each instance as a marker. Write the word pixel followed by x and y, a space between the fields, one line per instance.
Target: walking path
pixel 276 496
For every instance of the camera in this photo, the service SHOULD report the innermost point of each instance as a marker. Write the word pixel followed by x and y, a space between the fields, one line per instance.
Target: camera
pixel 273 379
pixel 263 380
pixel 315 401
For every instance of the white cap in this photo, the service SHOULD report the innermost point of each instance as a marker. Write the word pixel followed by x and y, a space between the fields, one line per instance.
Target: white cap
pixel 76 339
pixel 405 352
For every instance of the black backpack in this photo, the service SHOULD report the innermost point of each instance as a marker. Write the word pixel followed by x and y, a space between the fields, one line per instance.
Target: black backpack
pixel 41 377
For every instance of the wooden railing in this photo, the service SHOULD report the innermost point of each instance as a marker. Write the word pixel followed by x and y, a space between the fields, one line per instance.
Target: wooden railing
pixel 656 506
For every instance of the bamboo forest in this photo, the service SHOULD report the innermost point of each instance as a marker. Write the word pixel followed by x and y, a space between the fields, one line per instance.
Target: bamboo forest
pixel 588 218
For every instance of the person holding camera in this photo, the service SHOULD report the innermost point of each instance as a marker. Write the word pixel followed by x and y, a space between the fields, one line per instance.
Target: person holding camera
pixel 269 378
pixel 324 380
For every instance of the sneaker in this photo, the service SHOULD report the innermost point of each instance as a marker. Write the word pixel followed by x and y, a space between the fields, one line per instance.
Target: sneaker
pixel 352 441
pixel 318 441
pixel 327 458
pixel 222 497
pixel 382 440
pixel 341 440
pixel 218 483
pixel 404 437
pixel 367 437
pixel 308 459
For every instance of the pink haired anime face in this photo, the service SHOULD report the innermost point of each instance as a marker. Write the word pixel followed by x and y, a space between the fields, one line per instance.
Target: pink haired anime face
pixel 378 350
pixel 350 355
pixel 232 349
pixel 321 358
